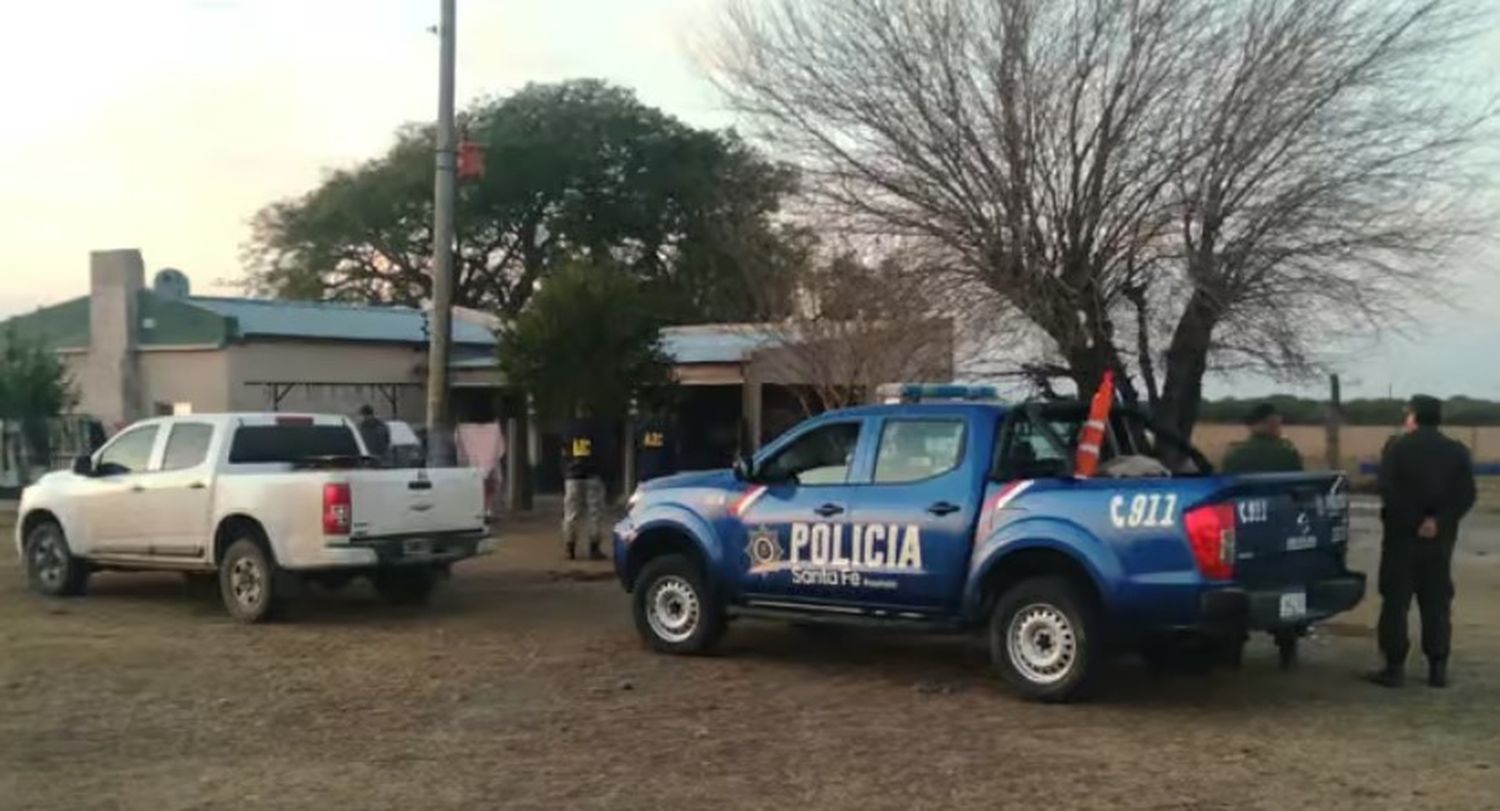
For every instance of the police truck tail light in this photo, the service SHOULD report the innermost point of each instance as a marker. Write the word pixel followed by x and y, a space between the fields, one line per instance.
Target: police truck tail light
pixel 338 510
pixel 1210 532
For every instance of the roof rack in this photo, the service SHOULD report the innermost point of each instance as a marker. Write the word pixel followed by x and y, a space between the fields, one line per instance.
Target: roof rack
pixel 929 392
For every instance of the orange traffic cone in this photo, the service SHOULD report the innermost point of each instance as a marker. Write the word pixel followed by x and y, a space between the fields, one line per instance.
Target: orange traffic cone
pixel 1086 462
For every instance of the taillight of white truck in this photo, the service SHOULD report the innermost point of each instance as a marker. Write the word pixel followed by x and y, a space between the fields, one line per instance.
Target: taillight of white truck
pixel 338 509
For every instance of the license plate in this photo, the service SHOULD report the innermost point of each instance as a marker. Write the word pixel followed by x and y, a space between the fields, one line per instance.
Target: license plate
pixel 1294 605
pixel 1298 543
pixel 416 547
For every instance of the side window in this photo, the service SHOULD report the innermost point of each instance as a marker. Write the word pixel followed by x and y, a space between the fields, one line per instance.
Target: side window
pixel 130 453
pixel 912 450
pixel 820 456
pixel 1029 454
pixel 187 446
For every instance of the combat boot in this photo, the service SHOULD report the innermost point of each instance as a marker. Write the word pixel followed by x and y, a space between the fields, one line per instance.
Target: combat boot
pixel 1391 675
pixel 1437 673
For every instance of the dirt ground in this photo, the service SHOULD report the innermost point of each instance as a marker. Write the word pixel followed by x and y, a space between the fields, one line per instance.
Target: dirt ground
pixel 524 686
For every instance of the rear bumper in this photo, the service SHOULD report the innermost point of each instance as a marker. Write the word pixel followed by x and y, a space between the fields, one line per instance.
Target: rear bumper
pixel 1236 610
pixel 405 550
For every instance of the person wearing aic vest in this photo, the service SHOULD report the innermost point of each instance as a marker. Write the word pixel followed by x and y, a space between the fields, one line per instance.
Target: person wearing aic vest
pixel 655 448
pixel 583 489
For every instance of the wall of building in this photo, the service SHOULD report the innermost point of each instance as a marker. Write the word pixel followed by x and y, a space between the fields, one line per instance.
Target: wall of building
pixel 197 379
pixel 342 374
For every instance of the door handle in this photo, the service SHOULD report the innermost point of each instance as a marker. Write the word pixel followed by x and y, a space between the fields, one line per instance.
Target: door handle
pixel 943 508
pixel 197 486
pixel 829 509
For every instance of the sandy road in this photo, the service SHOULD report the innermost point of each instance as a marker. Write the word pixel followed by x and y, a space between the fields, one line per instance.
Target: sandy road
pixel 523 686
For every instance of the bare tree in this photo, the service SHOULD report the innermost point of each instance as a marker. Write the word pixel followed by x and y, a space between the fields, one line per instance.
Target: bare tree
pixel 1330 178
pixel 853 327
pixel 1155 184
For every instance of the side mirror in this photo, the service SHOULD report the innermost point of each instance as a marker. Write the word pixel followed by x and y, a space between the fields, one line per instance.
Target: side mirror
pixel 744 468
pixel 84 466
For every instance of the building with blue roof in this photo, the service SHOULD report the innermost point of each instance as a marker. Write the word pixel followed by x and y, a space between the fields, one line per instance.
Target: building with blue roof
pixel 136 351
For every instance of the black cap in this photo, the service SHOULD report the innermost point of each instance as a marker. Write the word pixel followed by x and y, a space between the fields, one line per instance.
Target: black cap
pixel 366 411
pixel 1427 410
pixel 1260 413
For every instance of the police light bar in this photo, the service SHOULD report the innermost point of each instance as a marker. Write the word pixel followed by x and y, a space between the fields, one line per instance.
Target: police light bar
pixel 926 392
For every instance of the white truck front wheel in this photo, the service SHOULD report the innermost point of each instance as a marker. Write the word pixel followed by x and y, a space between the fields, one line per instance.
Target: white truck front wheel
pixel 51 568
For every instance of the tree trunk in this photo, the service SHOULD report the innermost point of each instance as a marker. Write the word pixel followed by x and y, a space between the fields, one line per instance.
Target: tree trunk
pixel 1187 361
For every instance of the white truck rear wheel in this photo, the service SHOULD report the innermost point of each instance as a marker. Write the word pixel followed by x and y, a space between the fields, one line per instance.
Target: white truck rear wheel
pixel 252 585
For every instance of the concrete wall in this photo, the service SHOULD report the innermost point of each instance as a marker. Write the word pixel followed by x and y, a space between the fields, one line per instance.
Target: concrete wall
pixel 198 378
pixel 350 365
pixel 1360 443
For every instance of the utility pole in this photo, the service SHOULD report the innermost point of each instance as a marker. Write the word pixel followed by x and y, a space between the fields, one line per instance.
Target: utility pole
pixel 439 432
pixel 1333 421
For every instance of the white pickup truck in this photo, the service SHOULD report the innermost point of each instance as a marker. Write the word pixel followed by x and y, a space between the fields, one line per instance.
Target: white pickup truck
pixel 264 501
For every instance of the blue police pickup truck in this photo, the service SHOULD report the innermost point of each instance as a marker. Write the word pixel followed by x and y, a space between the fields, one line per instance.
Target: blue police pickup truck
pixel 944 513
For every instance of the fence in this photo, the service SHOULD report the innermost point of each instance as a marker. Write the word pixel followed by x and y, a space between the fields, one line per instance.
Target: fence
pixel 26 452
pixel 1360 445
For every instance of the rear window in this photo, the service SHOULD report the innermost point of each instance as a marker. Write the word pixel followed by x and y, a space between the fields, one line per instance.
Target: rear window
pixel 913 450
pixel 187 445
pixel 265 444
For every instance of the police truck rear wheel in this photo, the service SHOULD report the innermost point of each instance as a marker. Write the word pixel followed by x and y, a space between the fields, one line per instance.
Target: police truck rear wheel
pixel 674 610
pixel 1043 639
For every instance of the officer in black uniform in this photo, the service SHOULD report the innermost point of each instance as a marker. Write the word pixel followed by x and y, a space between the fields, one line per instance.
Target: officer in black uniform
pixel 583 488
pixel 1426 487
pixel 655 448
pixel 375 433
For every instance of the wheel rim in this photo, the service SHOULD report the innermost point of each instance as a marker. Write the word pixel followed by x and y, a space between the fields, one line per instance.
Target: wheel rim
pixel 672 609
pixel 48 560
pixel 1042 644
pixel 246 582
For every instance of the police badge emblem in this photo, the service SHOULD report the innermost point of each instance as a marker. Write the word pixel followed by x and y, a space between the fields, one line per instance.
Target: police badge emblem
pixel 764 549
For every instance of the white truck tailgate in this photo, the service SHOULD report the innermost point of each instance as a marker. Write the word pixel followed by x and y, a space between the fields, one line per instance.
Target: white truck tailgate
pixel 416 501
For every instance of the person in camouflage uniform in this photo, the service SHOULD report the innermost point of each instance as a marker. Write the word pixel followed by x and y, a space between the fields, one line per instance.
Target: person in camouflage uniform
pixel 583 488
pixel 1264 451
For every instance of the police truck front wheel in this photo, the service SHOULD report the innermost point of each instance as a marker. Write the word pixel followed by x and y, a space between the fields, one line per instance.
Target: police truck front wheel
pixel 674 610
pixel 1044 640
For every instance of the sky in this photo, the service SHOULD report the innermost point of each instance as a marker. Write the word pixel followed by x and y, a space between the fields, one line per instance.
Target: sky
pixel 164 125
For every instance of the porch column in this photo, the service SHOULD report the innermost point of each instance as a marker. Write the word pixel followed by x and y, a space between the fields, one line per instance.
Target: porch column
pixel 750 408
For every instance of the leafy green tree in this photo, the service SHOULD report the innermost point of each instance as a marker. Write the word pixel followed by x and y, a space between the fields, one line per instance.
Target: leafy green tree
pixel 34 383
pixel 589 338
pixel 34 386
pixel 579 170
